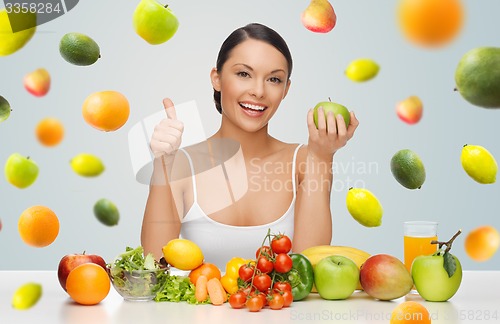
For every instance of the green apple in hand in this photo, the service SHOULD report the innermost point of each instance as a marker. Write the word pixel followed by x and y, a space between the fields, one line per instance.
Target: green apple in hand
pixel 20 171
pixel 437 277
pixel 154 22
pixel 336 277
pixel 333 107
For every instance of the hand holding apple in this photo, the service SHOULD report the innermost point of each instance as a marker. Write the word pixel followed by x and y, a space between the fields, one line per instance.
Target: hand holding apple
pixel 71 261
pixel 437 277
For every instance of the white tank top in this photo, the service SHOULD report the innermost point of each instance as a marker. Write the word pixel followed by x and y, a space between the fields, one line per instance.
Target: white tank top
pixel 220 242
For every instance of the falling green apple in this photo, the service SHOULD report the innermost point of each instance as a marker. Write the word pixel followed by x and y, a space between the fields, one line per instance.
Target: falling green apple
pixel 437 277
pixel 20 171
pixel 333 107
pixel 154 22
pixel 4 109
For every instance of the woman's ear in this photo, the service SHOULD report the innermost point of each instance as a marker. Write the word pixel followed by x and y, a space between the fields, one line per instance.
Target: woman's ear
pixel 215 78
pixel 288 83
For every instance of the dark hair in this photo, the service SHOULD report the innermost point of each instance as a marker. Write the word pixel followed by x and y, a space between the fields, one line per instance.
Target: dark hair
pixel 250 31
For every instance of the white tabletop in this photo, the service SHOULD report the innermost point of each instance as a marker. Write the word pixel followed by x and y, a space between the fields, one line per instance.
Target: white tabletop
pixel 477 301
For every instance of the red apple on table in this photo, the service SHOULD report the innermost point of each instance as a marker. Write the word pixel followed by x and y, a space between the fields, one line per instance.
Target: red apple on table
pixel 71 261
pixel 385 277
pixel 410 110
pixel 37 82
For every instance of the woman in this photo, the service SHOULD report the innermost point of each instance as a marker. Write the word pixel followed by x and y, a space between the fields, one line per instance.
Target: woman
pixel 253 181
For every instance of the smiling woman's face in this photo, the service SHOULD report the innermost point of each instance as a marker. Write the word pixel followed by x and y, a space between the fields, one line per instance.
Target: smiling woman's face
pixel 252 83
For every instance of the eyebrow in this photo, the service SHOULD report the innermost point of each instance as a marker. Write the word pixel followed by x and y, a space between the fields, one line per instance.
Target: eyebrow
pixel 251 69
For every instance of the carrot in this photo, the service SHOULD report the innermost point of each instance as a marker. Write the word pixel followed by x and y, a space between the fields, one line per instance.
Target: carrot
pixel 218 295
pixel 201 292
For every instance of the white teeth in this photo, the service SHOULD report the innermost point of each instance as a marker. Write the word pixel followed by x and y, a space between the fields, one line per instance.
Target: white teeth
pixel 253 107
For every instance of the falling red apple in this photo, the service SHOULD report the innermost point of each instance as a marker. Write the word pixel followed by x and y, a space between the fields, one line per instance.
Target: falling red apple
pixel 37 82
pixel 71 261
pixel 319 16
pixel 410 110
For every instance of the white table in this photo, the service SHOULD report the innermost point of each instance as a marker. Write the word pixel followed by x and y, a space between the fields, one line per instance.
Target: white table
pixel 477 301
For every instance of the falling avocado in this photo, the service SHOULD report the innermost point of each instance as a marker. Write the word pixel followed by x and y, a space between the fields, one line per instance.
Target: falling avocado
pixel 478 77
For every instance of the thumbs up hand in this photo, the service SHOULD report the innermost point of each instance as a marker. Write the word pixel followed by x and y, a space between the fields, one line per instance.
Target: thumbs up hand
pixel 167 135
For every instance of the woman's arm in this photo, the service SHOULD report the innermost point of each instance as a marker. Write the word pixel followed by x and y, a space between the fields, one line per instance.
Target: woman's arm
pixel 161 221
pixel 313 219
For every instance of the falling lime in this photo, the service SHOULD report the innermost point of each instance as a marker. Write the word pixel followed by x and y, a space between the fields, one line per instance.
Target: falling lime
pixel 106 212
pixel 4 109
pixel 408 169
pixel 79 49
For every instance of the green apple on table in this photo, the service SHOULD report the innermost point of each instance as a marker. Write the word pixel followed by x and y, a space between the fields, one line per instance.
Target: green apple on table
pixel 333 107
pixel 20 171
pixel 437 277
pixel 336 277
pixel 154 22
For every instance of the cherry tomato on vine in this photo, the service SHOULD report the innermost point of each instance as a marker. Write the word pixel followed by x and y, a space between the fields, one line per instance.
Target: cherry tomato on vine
pixel 287 297
pixel 238 299
pixel 281 244
pixel 254 304
pixel 262 282
pixel 264 251
pixel 245 272
pixel 283 263
pixel 282 286
pixel 276 301
pixel 265 265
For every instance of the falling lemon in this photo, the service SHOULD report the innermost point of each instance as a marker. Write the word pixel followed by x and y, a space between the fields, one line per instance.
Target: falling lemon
pixel 87 165
pixel 361 70
pixel 183 254
pixel 26 296
pixel 479 164
pixel 11 42
pixel 364 207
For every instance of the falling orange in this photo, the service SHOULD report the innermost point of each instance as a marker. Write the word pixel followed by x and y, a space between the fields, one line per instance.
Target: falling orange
pixel 430 23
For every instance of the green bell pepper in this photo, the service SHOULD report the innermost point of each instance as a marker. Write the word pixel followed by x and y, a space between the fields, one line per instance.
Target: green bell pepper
pixel 301 276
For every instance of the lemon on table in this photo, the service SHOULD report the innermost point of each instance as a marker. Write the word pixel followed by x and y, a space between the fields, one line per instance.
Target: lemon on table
pixel 26 296
pixel 183 254
pixel 364 207
pixel 362 69
pixel 106 212
pixel 12 42
pixel 479 164
pixel 87 165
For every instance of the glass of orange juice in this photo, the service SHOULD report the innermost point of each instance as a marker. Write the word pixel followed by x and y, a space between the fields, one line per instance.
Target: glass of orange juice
pixel 417 240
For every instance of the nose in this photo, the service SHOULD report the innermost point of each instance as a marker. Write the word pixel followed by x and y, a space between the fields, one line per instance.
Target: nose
pixel 258 89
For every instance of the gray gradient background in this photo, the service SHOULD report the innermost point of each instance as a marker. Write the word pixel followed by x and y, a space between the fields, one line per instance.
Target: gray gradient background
pixel 180 69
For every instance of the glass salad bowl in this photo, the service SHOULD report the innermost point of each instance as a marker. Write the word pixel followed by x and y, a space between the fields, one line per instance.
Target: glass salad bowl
pixel 137 285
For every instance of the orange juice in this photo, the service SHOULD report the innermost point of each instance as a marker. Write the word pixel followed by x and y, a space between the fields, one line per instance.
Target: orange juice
pixel 415 246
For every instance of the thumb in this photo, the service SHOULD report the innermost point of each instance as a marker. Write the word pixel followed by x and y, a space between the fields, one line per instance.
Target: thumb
pixel 169 108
